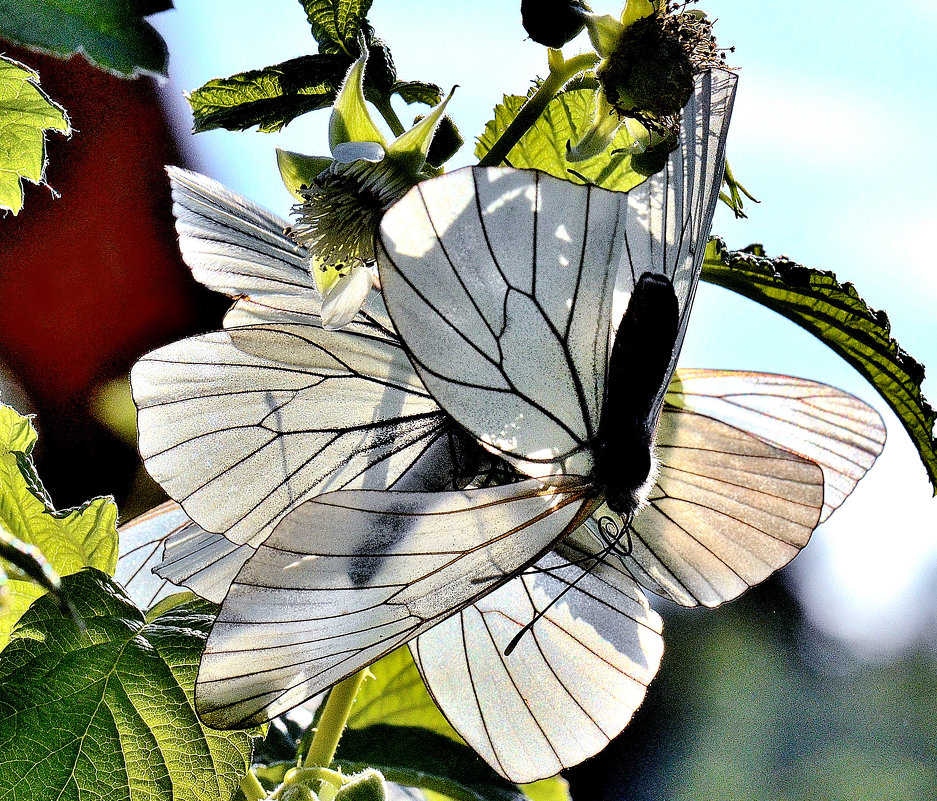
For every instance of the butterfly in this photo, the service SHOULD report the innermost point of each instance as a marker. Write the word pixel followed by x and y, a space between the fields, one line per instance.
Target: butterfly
pixel 331 477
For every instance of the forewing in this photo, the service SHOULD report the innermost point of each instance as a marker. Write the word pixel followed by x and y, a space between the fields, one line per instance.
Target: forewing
pixel 839 432
pixel 570 685
pixel 499 281
pixel 670 215
pixel 350 575
pixel 241 425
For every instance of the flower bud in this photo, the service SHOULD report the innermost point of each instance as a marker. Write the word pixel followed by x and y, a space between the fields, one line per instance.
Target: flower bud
pixel 365 786
pixel 553 22
pixel 651 69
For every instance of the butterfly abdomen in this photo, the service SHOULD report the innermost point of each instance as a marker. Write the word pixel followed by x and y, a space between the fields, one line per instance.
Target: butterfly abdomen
pixel 640 364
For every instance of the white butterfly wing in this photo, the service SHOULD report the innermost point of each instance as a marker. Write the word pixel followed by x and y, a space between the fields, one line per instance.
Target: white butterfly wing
pixel 746 472
pixel 479 265
pixel 571 684
pixel 141 543
pixel 241 425
pixel 836 430
pixel 671 214
pixel 231 244
pixel 501 282
pixel 350 575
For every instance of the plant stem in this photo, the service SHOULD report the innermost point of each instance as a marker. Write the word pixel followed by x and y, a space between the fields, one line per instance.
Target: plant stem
pixel 389 115
pixel 252 788
pixel 332 721
pixel 561 72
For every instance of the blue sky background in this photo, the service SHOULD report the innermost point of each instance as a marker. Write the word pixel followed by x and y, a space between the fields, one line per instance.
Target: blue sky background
pixel 833 131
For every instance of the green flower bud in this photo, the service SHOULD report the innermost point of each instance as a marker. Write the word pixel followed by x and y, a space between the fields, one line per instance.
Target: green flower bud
pixel 365 786
pixel 553 22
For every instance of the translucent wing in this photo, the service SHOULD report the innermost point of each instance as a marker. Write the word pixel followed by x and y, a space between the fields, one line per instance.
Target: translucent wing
pixel 748 465
pixel 204 562
pixel 836 430
pixel 348 576
pixel 671 214
pixel 501 282
pixel 141 543
pixel 241 425
pixel 571 684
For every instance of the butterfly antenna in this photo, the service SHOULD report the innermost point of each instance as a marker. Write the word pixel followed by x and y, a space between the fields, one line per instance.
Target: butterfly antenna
pixel 611 544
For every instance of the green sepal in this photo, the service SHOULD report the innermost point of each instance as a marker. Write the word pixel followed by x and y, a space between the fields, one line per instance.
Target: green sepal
pixel 298 171
pixel 838 317
pixel 351 121
pixel 410 148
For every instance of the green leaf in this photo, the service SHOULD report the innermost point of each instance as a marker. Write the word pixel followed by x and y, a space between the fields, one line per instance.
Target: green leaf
pixel 26 113
pixel 271 97
pixel 335 23
pixel 418 92
pixel 543 147
pixel 835 314
pixel 108 713
pixel 417 757
pixel 111 33
pixel 69 540
pixel 397 696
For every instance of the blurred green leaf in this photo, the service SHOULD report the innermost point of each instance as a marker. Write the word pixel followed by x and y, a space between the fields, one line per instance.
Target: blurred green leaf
pixel 111 33
pixel 416 757
pixel 543 147
pixel 69 540
pixel 835 314
pixel 268 98
pixel 335 23
pixel 109 713
pixel 26 113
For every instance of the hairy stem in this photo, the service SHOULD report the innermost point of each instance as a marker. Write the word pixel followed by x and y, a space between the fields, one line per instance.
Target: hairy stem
pixel 390 116
pixel 332 721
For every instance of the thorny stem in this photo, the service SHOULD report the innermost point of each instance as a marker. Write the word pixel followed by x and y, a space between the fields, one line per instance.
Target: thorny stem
pixel 561 72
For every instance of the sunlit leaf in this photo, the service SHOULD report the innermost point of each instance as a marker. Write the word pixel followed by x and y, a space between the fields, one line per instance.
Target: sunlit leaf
pixel 418 92
pixel 26 113
pixel 108 713
pixel 335 23
pixel 835 314
pixel 111 33
pixel 271 97
pixel 69 540
pixel 543 147
pixel 552 789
